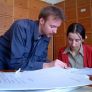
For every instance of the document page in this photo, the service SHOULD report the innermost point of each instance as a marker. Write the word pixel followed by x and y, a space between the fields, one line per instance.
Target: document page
pixel 86 71
pixel 50 78
pixel 13 81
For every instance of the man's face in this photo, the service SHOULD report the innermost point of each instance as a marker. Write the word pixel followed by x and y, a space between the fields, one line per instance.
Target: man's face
pixel 49 27
pixel 74 41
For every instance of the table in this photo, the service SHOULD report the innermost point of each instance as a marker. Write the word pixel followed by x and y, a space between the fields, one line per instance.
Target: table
pixel 79 89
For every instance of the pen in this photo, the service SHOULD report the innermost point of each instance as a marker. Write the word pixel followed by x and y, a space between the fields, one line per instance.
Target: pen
pixel 18 70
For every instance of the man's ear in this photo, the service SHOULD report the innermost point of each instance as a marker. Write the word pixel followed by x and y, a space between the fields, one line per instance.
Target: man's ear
pixel 41 20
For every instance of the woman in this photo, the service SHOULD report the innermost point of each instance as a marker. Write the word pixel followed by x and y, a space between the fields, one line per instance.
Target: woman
pixel 76 54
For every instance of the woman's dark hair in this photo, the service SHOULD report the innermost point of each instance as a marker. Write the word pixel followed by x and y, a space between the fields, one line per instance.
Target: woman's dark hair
pixel 76 28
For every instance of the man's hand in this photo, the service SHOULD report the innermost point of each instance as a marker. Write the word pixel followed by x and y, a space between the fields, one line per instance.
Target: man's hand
pixel 59 63
pixel 56 63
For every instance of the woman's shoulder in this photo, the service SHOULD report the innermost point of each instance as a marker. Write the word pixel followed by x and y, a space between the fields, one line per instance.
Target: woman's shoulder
pixel 87 47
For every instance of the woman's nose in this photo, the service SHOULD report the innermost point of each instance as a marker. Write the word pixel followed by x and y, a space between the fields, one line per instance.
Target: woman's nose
pixel 74 43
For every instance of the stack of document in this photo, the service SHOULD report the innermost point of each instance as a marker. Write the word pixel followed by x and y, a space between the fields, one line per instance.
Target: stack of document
pixel 43 79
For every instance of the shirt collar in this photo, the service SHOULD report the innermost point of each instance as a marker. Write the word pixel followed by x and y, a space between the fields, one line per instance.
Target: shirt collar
pixel 67 50
pixel 36 31
pixel 37 34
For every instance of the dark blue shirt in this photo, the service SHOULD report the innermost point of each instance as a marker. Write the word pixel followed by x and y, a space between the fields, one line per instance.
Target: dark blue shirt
pixel 23 47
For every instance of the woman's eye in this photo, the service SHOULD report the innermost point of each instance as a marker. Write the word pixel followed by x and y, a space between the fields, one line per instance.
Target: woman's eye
pixel 77 40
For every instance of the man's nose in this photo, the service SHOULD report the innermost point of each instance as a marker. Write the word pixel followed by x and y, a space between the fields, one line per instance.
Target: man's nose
pixel 54 31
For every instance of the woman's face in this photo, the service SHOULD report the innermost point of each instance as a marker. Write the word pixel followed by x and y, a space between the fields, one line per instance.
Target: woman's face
pixel 74 41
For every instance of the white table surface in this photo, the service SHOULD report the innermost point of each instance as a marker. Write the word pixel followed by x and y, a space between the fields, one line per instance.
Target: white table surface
pixel 79 89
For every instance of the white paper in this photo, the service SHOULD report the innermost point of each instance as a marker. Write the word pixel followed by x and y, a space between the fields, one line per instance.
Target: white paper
pixel 50 78
pixel 86 71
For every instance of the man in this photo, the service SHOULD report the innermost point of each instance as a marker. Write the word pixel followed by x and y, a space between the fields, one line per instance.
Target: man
pixel 25 44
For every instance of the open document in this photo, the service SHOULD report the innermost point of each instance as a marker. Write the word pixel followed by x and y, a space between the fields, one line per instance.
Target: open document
pixel 50 78
pixel 86 71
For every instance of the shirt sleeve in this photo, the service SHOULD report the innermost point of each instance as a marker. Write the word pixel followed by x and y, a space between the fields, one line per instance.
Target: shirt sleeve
pixel 18 45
